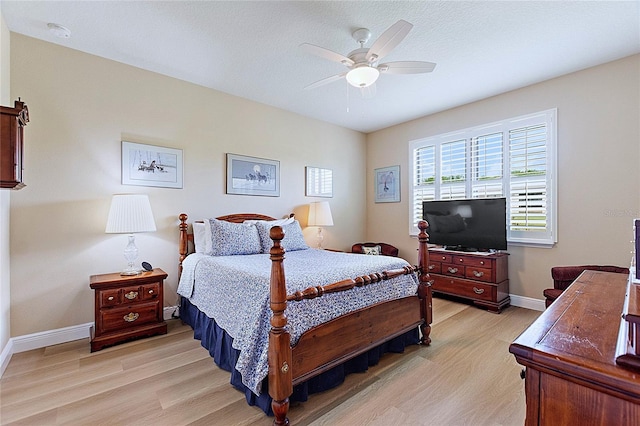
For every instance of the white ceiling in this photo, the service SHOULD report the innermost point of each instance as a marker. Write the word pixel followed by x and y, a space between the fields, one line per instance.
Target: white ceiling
pixel 251 48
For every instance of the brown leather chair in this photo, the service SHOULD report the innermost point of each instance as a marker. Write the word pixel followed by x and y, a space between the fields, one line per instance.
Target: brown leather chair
pixel 563 276
pixel 385 249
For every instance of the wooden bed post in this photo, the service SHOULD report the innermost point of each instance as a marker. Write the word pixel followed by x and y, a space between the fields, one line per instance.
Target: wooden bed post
pixel 280 377
pixel 424 288
pixel 183 245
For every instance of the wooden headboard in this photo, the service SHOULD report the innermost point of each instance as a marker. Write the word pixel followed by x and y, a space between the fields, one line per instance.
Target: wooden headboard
pixel 186 236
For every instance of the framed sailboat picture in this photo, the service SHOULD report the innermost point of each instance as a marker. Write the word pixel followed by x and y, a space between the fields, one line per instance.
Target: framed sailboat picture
pixel 149 165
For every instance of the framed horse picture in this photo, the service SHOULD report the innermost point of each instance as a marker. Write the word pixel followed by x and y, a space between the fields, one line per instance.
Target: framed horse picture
pixel 252 176
pixel 149 165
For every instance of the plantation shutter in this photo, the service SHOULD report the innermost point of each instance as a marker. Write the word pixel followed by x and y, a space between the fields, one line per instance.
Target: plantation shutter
pixel 424 165
pixel 528 192
pixel 453 166
pixel 487 166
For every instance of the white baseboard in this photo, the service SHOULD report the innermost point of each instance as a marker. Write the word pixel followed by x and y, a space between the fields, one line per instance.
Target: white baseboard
pixel 42 339
pixel 170 312
pixel 5 356
pixel 55 337
pixel 527 302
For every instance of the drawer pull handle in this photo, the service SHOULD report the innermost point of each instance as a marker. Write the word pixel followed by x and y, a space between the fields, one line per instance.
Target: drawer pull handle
pixel 477 290
pixel 478 274
pixel 131 317
pixel 482 262
pixel 452 270
pixel 110 298
pixel 432 267
pixel 150 291
pixel 131 295
pixel 430 282
pixel 461 260
pixel 444 257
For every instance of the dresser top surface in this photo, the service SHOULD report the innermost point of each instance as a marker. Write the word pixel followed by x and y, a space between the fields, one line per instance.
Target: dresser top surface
pixel 579 331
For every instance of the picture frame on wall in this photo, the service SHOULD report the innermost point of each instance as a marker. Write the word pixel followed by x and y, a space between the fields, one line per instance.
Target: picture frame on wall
pixel 252 176
pixel 387 184
pixel 150 165
pixel 319 182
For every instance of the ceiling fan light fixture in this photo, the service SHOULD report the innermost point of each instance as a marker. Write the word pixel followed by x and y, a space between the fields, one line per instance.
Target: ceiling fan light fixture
pixel 362 76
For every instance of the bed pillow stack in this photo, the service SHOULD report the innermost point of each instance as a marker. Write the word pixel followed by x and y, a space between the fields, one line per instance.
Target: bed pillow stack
pixel 215 237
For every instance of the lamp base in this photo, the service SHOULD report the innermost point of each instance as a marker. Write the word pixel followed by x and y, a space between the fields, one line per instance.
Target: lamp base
pixel 130 272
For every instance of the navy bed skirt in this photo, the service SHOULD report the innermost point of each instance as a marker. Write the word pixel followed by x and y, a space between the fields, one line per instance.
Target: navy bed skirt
pixel 218 343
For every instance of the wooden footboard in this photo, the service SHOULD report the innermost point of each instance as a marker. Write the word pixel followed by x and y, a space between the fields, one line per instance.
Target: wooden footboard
pixel 358 331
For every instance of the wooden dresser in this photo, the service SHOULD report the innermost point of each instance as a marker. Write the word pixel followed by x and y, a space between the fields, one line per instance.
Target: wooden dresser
pixel 570 357
pixel 482 278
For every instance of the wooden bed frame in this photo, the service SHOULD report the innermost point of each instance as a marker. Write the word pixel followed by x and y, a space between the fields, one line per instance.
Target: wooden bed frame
pixel 360 331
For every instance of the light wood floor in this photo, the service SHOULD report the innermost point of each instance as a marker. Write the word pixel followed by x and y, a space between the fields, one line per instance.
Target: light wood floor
pixel 466 377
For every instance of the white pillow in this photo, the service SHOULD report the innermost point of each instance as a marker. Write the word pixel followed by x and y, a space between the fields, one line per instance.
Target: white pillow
pixel 199 237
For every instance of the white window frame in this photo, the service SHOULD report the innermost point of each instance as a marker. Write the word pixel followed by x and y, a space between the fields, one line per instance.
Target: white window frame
pixel 548 117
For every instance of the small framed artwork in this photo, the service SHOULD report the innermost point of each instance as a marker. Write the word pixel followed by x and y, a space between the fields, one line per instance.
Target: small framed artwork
pixel 252 176
pixel 149 165
pixel 319 182
pixel 387 184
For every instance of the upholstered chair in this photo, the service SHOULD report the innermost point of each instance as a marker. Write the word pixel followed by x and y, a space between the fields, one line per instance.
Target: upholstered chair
pixel 375 248
pixel 563 276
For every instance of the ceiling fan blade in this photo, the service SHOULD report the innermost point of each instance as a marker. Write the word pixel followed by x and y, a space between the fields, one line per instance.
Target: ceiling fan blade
pixel 388 40
pixel 326 81
pixel 326 54
pixel 406 67
pixel 368 92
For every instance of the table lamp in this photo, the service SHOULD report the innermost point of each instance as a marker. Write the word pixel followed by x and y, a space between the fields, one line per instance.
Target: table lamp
pixel 130 214
pixel 320 215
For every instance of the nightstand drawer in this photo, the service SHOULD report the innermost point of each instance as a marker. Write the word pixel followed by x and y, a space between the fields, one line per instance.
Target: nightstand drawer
pixel 131 294
pixel 150 291
pixel 128 316
pixel 109 297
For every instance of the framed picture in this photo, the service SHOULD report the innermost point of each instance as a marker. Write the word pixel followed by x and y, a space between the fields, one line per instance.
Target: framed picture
pixel 387 184
pixel 252 176
pixel 319 182
pixel 149 165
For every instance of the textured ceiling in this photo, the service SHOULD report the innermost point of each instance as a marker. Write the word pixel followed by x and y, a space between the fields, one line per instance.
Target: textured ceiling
pixel 251 48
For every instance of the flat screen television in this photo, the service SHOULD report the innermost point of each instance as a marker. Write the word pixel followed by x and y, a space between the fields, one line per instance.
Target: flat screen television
pixel 477 224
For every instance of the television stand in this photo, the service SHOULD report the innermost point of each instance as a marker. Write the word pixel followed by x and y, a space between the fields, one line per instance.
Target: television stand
pixel 482 278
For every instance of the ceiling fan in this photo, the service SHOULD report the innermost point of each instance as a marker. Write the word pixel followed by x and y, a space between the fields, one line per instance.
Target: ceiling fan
pixel 363 65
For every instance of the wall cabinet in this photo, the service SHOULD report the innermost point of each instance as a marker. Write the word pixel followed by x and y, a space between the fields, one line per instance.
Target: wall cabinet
pixel 482 278
pixel 12 122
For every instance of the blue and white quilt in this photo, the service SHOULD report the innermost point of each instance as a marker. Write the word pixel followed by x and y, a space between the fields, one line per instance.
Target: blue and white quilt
pixel 234 291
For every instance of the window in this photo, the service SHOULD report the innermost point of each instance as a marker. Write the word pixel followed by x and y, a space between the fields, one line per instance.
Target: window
pixel 514 158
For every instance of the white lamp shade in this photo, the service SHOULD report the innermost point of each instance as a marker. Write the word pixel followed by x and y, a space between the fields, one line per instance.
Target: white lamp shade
pixel 130 213
pixel 363 76
pixel 320 214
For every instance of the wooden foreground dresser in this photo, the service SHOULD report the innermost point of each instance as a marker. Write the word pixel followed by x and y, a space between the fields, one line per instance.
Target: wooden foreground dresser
pixel 570 356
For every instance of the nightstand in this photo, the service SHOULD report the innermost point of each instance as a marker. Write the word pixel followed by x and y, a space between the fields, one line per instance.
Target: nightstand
pixel 127 307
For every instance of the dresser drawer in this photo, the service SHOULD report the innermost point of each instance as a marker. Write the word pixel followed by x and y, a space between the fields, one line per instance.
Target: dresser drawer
pixel 472 261
pixel 463 288
pixel 434 268
pixel 439 257
pixel 451 269
pixel 480 274
pixel 128 316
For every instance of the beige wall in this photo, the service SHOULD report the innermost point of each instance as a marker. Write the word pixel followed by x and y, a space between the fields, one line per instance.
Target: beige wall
pixel 81 108
pixel 5 198
pixel 598 173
